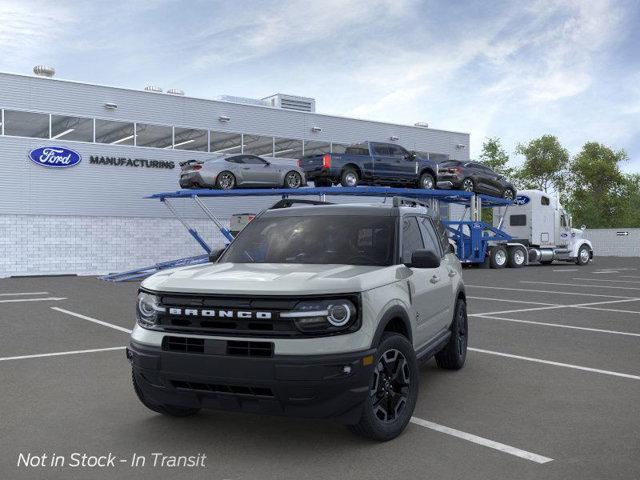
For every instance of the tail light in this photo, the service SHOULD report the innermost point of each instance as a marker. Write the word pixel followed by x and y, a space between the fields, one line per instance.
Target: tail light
pixel 326 160
pixel 299 162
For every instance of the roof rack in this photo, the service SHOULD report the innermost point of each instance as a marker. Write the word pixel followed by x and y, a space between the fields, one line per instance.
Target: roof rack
pixel 410 202
pixel 290 202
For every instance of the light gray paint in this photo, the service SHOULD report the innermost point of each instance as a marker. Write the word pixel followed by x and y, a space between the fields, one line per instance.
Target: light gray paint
pixel 607 242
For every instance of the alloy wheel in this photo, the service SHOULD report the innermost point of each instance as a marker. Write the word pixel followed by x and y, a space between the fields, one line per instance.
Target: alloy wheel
pixel 461 331
pixel 351 179
pixel 293 180
pixel 427 183
pixel 584 255
pixel 508 194
pixel 226 181
pixel 467 185
pixel 391 383
pixel 500 257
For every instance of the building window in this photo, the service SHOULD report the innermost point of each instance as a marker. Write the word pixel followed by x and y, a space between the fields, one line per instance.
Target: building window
pixel 258 145
pixel 72 128
pixel 114 133
pixel 157 136
pixel 224 142
pixel 190 139
pixel 312 147
pixel 338 147
pixel 287 148
pixel 26 124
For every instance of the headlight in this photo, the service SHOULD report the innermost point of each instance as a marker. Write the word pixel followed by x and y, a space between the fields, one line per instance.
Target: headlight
pixel 323 316
pixel 147 309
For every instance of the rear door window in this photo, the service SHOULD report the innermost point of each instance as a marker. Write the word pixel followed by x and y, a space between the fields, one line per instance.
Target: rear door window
pixel 411 238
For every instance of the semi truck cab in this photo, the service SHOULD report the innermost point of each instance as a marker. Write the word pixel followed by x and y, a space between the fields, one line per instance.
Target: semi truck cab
pixel 538 221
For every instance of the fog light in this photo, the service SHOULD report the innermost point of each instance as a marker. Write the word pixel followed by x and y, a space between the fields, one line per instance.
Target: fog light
pixel 368 360
pixel 346 369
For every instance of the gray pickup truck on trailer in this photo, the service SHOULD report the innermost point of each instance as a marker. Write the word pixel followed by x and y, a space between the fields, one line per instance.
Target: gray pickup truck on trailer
pixel 320 310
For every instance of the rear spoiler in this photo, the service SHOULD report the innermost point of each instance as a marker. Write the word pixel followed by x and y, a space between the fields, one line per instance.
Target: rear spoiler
pixel 191 162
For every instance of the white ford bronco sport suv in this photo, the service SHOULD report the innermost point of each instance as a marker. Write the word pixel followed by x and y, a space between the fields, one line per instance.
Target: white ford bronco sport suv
pixel 314 310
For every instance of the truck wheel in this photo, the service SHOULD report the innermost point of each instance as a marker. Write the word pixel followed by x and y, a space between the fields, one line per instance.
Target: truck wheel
pixel 349 178
pixel 393 390
pixel 170 410
pixel 498 258
pixel 427 181
pixel 583 255
pixel 453 355
pixel 517 257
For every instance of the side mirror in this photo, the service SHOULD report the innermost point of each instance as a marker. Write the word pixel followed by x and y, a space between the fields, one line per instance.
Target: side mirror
pixel 215 255
pixel 410 156
pixel 424 259
pixel 583 227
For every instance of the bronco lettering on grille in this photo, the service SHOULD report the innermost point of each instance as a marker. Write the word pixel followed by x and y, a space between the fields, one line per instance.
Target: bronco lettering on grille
pixel 240 314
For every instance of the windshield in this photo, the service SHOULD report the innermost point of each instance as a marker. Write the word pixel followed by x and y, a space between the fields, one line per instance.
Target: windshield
pixel 318 239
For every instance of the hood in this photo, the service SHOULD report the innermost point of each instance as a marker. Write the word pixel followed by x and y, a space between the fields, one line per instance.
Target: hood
pixel 273 279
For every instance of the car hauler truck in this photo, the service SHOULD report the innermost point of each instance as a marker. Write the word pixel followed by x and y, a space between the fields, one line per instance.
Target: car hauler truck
pixel 539 226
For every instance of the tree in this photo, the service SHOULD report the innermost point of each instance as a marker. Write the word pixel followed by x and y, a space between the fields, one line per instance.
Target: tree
pixel 545 164
pixel 599 192
pixel 495 157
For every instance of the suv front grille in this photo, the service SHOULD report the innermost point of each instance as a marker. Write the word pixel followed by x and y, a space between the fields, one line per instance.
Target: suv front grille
pixel 250 349
pixel 253 391
pixel 211 346
pixel 183 344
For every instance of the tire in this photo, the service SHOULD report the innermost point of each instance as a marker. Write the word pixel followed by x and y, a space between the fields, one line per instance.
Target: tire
pixel 349 178
pixel 584 255
pixel 292 180
pixel 225 180
pixel 468 185
pixel 498 258
pixel 427 182
pixel 508 194
pixel 322 182
pixel 517 257
pixel 454 354
pixel 375 423
pixel 169 410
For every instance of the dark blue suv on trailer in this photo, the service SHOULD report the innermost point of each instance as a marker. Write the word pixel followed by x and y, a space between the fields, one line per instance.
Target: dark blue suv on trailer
pixel 371 163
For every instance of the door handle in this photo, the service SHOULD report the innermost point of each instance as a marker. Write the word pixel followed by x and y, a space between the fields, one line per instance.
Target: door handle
pixel 246 168
pixel 452 273
pixel 435 279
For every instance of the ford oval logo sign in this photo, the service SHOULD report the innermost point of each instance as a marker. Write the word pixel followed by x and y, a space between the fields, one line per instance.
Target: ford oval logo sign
pixel 56 157
pixel 521 200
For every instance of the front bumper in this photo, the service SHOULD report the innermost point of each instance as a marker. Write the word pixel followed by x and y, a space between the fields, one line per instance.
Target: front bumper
pixel 317 386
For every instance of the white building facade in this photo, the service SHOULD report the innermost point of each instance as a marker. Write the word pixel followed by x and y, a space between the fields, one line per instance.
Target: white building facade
pixel 92 217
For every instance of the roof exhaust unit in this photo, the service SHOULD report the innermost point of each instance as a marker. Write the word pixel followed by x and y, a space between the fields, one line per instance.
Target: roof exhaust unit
pixel 44 71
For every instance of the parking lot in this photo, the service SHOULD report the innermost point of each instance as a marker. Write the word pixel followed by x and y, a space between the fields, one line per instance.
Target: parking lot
pixel 550 389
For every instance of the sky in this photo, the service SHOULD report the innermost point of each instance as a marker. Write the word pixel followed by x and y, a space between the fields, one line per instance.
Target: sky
pixel 514 70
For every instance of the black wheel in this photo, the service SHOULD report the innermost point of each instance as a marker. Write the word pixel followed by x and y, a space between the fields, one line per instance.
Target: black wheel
pixel 349 178
pixel 292 179
pixel 170 410
pixel 225 180
pixel 453 355
pixel 322 182
pixel 468 185
pixel 393 390
pixel 508 194
pixel 584 255
pixel 427 181
pixel 517 257
pixel 498 258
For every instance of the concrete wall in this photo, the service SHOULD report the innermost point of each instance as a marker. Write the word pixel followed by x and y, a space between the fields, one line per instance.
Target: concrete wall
pixel 609 242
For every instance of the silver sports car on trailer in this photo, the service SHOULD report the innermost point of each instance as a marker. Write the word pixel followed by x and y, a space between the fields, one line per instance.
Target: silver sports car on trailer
pixel 231 171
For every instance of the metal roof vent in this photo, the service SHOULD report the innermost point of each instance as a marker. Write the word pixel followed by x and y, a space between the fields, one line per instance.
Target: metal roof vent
pixel 292 102
pixel 422 124
pixel 175 91
pixel 153 88
pixel 44 71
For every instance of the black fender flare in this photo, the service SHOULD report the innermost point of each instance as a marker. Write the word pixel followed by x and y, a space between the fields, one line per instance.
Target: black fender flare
pixel 395 311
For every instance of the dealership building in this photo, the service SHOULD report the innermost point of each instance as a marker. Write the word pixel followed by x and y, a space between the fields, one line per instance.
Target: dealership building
pixel 91 216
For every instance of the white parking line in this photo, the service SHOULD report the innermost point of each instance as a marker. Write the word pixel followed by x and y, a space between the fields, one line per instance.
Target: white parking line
pixel 44 299
pixel 588 306
pixel 512 301
pixel 57 354
pixel 566 269
pixel 559 325
pixel 604 280
pixel 579 285
pixel 556 364
pixel 519 310
pixel 23 293
pixel 94 320
pixel 533 457
pixel 530 290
